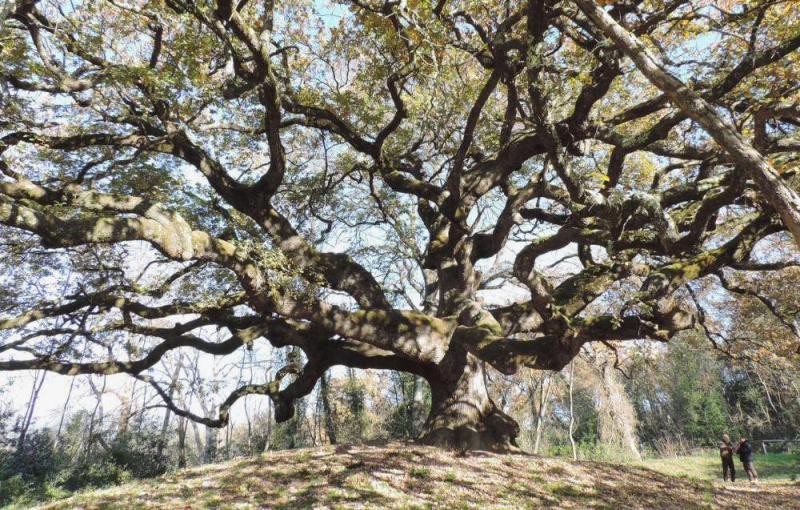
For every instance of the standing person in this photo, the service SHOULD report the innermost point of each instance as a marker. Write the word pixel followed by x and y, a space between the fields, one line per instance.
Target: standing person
pixel 745 452
pixel 726 454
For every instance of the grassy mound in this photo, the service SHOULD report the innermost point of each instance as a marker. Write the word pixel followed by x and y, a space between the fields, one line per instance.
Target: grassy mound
pixel 400 475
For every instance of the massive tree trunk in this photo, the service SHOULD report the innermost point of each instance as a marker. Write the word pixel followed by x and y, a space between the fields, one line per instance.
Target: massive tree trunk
pixel 462 415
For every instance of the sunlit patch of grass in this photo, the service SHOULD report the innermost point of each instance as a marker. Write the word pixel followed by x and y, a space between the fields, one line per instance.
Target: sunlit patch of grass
pixel 211 498
pixel 562 488
pixel 773 466
pixel 338 495
pixel 359 481
pixel 420 472
pixel 303 456
pixel 459 505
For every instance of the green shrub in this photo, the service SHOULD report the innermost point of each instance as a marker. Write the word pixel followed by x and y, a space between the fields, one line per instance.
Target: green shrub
pixel 12 489
pixel 34 461
pixel 141 454
pixel 94 473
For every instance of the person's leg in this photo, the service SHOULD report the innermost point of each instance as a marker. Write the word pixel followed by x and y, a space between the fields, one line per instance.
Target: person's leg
pixel 748 468
pixel 728 470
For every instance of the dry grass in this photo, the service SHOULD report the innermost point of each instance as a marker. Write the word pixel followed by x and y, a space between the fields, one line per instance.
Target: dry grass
pixel 400 475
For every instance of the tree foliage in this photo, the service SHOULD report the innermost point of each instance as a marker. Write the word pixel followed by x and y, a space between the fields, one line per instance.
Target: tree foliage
pixel 431 188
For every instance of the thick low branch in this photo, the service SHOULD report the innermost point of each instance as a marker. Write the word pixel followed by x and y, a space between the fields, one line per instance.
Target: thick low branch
pixel 43 362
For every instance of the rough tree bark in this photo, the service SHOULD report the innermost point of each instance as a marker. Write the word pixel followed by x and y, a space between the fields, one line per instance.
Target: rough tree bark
pixel 462 415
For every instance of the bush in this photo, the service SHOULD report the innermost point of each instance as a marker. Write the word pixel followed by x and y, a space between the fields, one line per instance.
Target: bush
pixel 12 489
pixel 94 473
pixel 35 461
pixel 141 454
pixel 592 450
pixel 37 472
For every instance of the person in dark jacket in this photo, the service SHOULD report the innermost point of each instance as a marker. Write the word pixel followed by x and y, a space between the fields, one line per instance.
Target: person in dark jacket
pixel 726 454
pixel 745 452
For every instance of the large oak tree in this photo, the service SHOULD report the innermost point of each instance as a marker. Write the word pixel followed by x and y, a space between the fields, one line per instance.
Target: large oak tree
pixel 429 187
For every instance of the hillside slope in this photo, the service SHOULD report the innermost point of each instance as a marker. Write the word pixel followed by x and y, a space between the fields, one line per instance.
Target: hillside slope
pixel 400 475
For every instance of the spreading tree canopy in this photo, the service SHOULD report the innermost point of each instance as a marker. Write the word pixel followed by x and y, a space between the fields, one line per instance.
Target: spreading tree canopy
pixel 428 187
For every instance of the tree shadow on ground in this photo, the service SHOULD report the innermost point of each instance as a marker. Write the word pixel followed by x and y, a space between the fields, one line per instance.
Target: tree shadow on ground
pixel 403 475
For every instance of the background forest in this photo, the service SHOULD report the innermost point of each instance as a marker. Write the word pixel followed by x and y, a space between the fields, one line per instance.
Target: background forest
pixel 627 403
